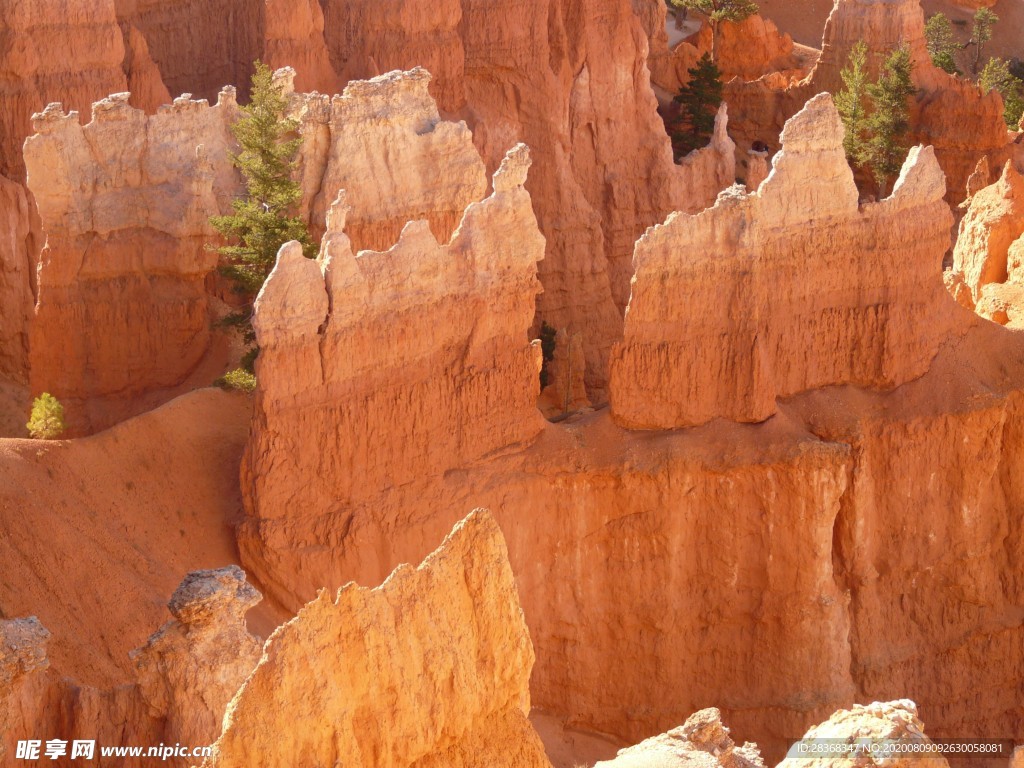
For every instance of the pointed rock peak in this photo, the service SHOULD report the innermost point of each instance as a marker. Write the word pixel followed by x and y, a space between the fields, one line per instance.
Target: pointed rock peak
pixel 293 300
pixel 815 128
pixel 514 168
pixel 284 78
pixel 921 178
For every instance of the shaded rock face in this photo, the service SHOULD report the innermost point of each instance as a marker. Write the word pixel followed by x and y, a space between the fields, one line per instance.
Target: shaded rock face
pixel 294 37
pixel 199 45
pixel 125 203
pixel 186 675
pixel 71 53
pixel 19 247
pixel 949 114
pixel 88 66
pixel 432 668
pixel 414 361
pixel 701 742
pixel 772 298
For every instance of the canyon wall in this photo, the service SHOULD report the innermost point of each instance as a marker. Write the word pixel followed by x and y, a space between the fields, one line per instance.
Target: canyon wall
pixel 948 113
pixel 432 668
pixel 786 289
pixel 294 37
pixel 199 46
pixel 19 247
pixel 122 309
pixel 406 363
pixel 802 550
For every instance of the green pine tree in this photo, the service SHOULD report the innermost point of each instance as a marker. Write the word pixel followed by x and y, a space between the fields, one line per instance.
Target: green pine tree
pixel 699 100
pixel 46 422
pixel 984 21
pixel 852 102
pixel 888 124
pixel 263 220
pixel 997 76
pixel 942 46
pixel 718 11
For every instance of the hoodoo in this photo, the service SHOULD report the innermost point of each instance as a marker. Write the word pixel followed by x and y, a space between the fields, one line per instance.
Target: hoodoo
pixel 419 401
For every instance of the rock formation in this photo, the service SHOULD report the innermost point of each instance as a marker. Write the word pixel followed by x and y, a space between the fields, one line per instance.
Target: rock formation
pixel 69 54
pixel 877 724
pixel 125 202
pixel 943 108
pixel 187 673
pixel 803 549
pixel 138 507
pixel 193 666
pixel 19 246
pixel 989 249
pixel 771 300
pixel 384 143
pixel 747 50
pixel 366 39
pixel 423 347
pixel 701 741
pixel 198 45
pixel 294 37
pixel 432 668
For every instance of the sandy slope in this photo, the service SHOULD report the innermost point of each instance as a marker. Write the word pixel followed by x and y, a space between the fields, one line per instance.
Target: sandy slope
pixel 805 21
pixel 96 533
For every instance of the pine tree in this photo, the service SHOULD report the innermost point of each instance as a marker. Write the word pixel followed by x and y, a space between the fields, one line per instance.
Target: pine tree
pixel 263 219
pixel 699 100
pixel 942 46
pixel 889 122
pixel 851 102
pixel 984 20
pixel 997 76
pixel 46 422
pixel 718 11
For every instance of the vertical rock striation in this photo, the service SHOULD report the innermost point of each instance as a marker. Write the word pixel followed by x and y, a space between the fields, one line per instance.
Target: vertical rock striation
pixel 125 203
pixel 788 289
pixel 430 669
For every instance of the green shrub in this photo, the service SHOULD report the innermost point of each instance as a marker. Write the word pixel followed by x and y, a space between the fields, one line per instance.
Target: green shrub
pixel 46 422
pixel 238 379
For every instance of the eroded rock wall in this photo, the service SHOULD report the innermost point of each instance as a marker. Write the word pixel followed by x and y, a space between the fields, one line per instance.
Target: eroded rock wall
pixel 186 675
pixel 125 201
pixel 787 289
pixel 413 361
pixel 384 143
pixel 988 259
pixel 432 668
pixel 19 247
pixel 754 552
pixel 199 46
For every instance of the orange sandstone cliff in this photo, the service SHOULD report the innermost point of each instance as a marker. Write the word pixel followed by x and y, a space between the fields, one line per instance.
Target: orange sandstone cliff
pixel 125 201
pixel 786 289
pixel 430 669
pixel 803 549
